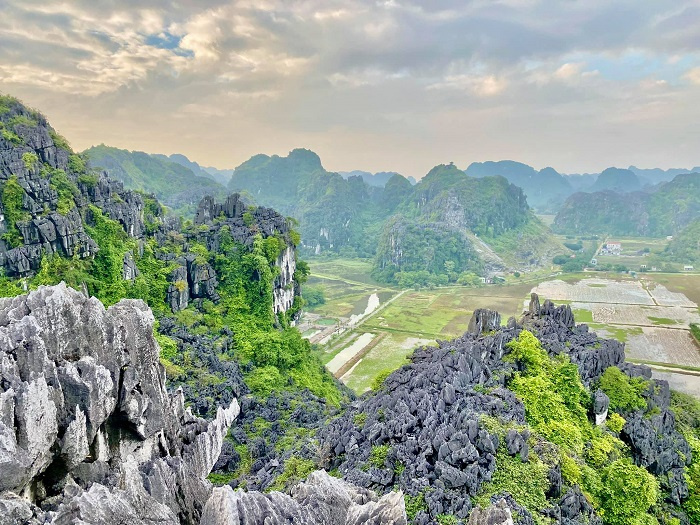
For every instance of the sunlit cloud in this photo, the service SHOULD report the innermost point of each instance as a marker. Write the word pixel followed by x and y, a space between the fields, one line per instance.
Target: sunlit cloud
pixel 226 79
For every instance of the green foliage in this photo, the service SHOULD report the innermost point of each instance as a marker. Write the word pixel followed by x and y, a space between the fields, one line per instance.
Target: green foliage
pixel 378 455
pixel 60 142
pixel 414 504
pixel 295 469
pixel 615 422
pixel 446 519
pixel 314 296
pixel 88 179
pixel 624 392
pixel 527 482
pixel 12 199
pixel 77 163
pixel 22 120
pixel 695 330
pixel 30 159
pixel 9 135
pixel 378 381
pixel 360 419
pixel 628 493
pixel 687 411
pixel 220 479
pixel 66 189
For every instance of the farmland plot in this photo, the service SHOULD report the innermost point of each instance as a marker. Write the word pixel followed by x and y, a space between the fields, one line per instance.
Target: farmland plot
pixel 595 291
pixel 664 345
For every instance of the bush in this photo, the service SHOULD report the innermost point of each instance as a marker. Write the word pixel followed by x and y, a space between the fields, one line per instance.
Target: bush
pixel 615 422
pixel 527 482
pixel 378 455
pixel 12 199
pixel 295 469
pixel 314 296
pixel 378 381
pixel 628 493
pixel 624 392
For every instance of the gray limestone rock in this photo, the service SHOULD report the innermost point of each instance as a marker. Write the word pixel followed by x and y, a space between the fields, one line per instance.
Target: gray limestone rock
pixel 320 500
pixel 88 432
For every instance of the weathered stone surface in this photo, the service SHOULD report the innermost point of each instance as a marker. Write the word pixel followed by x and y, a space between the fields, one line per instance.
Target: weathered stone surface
pixel 320 500
pixel 484 320
pixel 497 514
pixel 88 432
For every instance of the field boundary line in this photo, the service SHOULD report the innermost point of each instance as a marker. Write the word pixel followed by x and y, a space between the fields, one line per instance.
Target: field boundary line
pixel 359 355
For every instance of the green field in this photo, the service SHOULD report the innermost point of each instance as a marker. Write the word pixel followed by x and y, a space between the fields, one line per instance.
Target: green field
pixel 419 317
pixel 415 318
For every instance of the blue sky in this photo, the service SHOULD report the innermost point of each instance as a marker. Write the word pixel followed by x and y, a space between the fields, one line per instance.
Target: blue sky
pixel 387 85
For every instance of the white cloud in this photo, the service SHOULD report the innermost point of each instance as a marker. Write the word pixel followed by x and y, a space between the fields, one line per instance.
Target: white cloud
pixel 693 75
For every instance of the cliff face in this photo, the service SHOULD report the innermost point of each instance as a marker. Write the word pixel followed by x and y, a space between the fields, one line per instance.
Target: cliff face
pixel 52 193
pixel 87 429
pixel 89 434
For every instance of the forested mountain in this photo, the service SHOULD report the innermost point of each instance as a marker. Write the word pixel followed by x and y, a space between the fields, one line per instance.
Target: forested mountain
pixel 176 185
pixel 450 224
pixel 373 179
pixel 430 227
pixel 544 189
pixel 665 209
pixel 616 179
pixel 685 246
pixel 657 175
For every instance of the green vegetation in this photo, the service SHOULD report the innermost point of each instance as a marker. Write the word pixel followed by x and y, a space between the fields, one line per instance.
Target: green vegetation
pixel 414 504
pixel 378 381
pixel 687 411
pixel 12 198
pixel 295 469
pixel 526 481
pixel 378 455
pixel 624 392
pixel 695 330
pixel 556 405
pixel 666 211
pixel 172 183
pixel 628 492
pixel 30 159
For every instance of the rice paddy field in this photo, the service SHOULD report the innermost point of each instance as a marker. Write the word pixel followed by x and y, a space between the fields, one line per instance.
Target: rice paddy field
pixel 650 314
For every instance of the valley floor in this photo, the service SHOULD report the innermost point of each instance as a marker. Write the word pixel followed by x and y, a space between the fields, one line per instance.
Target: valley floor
pixel 366 328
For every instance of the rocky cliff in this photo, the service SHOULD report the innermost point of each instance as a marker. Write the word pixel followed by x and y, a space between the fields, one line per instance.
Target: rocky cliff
pixel 89 434
pixel 88 431
pixel 47 192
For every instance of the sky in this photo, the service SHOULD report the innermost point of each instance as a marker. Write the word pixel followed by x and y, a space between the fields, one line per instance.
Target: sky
pixel 371 85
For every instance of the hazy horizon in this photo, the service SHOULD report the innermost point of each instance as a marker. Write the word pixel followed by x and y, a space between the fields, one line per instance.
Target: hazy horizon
pixel 373 86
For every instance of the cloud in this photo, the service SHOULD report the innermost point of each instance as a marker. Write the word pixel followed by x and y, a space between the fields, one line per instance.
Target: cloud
pixel 273 74
pixel 693 75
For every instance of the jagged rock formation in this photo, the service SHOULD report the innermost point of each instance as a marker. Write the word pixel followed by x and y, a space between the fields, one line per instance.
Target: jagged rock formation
pixel 88 432
pixel 320 500
pixel 429 414
pixel 45 225
pixel 194 278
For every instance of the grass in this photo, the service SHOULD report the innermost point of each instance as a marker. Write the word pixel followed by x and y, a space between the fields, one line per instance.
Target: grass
pixel 661 321
pixel 695 330
pixel 583 316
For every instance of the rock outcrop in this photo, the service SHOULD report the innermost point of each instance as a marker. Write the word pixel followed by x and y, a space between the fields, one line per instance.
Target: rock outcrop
pixel 56 193
pixel 429 418
pixel 88 432
pixel 195 279
pixel 320 500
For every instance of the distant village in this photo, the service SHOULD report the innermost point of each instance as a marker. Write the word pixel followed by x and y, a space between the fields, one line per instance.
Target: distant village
pixel 615 249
